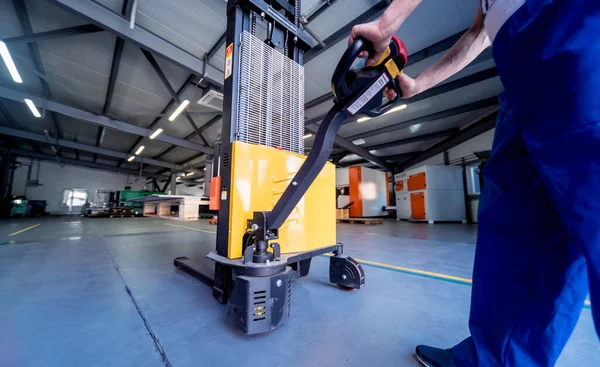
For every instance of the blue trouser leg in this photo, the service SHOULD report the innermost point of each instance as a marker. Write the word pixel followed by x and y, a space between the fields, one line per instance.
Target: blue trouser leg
pixel 530 274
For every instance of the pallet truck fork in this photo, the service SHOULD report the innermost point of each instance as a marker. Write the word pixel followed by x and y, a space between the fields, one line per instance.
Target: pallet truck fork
pixel 277 206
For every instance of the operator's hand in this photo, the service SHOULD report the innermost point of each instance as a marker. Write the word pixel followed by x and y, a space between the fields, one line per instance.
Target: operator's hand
pixel 408 86
pixel 372 32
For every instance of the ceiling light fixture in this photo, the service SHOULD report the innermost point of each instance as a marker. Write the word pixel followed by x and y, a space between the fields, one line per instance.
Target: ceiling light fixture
pixel 156 133
pixel 358 142
pixel 363 119
pixel 10 64
pixel 139 150
pixel 131 158
pixel 179 109
pixel 190 174
pixel 307 136
pixel 396 109
pixel 32 108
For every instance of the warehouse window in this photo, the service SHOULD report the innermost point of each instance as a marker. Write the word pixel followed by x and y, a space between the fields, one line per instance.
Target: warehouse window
pixel 474 182
pixel 74 197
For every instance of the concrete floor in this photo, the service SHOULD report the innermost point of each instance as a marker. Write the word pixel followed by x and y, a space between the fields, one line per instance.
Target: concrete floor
pixel 104 292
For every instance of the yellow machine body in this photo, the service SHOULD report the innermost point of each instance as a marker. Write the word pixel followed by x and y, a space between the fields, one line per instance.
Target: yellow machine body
pixel 260 175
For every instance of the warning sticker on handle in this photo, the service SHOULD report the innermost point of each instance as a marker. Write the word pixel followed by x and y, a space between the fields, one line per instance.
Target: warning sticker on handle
pixel 369 94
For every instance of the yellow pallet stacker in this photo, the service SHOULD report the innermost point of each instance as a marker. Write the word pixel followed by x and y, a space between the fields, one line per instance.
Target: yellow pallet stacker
pixel 277 205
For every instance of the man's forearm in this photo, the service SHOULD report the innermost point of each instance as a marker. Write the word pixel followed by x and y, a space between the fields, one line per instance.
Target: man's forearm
pixel 395 15
pixel 468 47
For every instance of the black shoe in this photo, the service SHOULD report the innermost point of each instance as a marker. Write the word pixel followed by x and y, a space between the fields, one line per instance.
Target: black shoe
pixel 435 357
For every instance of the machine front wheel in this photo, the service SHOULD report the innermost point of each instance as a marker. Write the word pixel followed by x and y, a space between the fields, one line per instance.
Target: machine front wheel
pixel 346 273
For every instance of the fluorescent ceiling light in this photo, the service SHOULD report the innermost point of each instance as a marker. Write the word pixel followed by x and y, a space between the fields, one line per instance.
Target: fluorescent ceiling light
pixel 205 168
pixel 32 107
pixel 363 119
pixel 156 133
pixel 10 64
pixel 190 174
pixel 396 109
pixel 139 150
pixel 131 158
pixel 178 178
pixel 307 136
pixel 358 142
pixel 181 107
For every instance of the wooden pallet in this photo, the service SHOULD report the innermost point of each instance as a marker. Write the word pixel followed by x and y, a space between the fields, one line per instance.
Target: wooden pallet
pixel 361 220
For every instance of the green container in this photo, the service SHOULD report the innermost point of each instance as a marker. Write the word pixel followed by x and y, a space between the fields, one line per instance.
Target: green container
pixel 19 207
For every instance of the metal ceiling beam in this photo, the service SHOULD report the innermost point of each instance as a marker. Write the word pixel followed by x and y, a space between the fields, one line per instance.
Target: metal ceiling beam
pixel 435 91
pixel 484 124
pixel 57 33
pixel 344 32
pixel 414 139
pixel 326 4
pixel 87 148
pixel 174 96
pixel 74 162
pixel 356 150
pixel 114 72
pixel 434 116
pixel 393 158
pixel 208 124
pixel 213 50
pixel 118 25
pixel 78 114
pixel 23 16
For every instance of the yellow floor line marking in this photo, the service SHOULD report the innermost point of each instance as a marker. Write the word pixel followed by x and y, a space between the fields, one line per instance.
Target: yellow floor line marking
pixel 190 228
pixel 413 271
pixel 25 229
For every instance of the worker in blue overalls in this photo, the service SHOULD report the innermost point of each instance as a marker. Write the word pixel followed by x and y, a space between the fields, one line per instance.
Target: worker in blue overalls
pixel 538 247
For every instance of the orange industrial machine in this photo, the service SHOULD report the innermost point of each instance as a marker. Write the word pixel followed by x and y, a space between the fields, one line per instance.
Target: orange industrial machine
pixel 366 189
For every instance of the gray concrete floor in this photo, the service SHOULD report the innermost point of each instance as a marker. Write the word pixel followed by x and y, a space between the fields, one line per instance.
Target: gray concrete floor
pixel 104 292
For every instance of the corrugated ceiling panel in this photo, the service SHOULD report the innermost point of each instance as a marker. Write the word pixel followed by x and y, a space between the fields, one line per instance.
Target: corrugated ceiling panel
pixel 117 140
pixel 138 89
pixel 192 25
pixel 82 132
pixel 338 15
pixel 152 147
pixel 46 17
pixel 179 155
pixel 309 6
pixel 78 68
pixel 8 19
pixel 114 5
pixel 10 27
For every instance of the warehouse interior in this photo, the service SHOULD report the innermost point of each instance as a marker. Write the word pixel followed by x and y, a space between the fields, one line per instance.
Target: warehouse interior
pixel 112 138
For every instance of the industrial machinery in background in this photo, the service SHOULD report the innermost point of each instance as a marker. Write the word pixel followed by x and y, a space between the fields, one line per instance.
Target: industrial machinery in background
pixel 276 205
pixel 367 189
pixel 115 203
pixel 431 194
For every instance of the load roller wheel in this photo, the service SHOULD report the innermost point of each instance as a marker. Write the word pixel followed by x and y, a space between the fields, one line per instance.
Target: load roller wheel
pixel 346 273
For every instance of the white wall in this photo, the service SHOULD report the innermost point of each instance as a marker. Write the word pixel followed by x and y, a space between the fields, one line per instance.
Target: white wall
pixel 55 178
